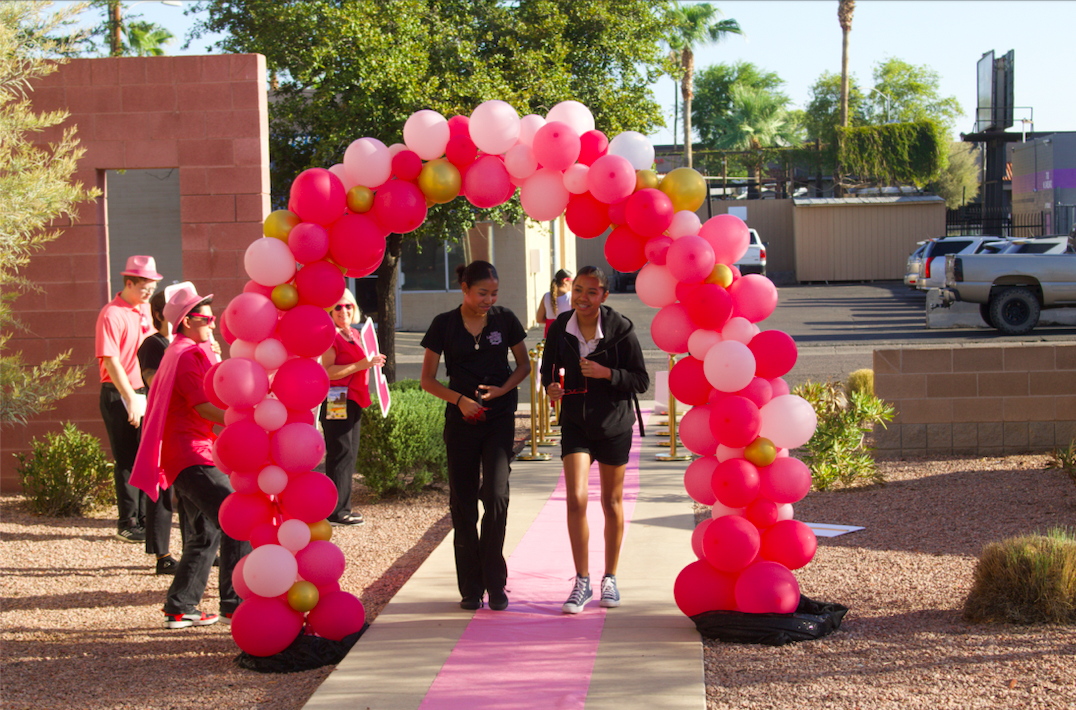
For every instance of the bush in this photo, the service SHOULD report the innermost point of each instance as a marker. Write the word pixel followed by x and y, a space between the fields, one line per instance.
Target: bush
pixel 67 474
pixel 1025 580
pixel 405 452
pixel 836 453
pixel 1064 459
pixel 861 381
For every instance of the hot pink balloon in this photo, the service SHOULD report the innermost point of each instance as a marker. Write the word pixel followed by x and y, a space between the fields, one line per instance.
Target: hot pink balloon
pixel 207 387
pixel 240 513
pixel 786 480
pixel 700 588
pixel 461 151
pixel 320 284
pixel 308 242
pixel 697 535
pixel 310 497
pixel 729 237
pixel 611 179
pixel 657 249
pixel 243 446
pixel 762 512
pixel 731 543
pixel 238 583
pixel 297 447
pixel 780 387
pixel 459 126
pixel 775 353
pixel 735 482
pixel 790 543
pixel 687 381
pixel 709 306
pixel 301 384
pixel 307 331
pixel 543 195
pixel 592 145
pixel 695 431
pixel 618 211
pixel 754 296
pixel 399 206
pixel 697 480
pixel 406 165
pixel 357 243
pixel 238 414
pixel 252 316
pixel 225 331
pixel 690 259
pixel 486 183
pixel 264 627
pixel 318 196
pixel 556 145
pixel 671 328
pixel 624 249
pixel 656 287
pixel 767 588
pixel 301 416
pixel 735 421
pixel 649 212
pixel 338 614
pixel 758 391
pixel 586 216
pixel 321 562
pixel 245 483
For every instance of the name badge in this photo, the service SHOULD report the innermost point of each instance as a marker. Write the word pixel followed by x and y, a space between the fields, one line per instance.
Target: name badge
pixel 336 404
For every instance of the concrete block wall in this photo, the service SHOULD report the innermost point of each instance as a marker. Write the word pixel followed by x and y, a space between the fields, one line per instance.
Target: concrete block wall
pixel 980 400
pixel 206 116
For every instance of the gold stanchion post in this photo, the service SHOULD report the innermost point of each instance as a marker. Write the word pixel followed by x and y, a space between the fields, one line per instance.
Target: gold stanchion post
pixel 544 433
pixel 534 455
pixel 672 455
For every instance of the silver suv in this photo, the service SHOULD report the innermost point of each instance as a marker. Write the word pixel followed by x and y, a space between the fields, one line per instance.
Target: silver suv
pixel 932 263
pixel 754 261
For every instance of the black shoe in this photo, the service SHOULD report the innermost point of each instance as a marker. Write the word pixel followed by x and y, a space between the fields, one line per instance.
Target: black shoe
pixel 498 601
pixel 216 563
pixel 135 534
pixel 167 565
pixel 349 519
pixel 471 603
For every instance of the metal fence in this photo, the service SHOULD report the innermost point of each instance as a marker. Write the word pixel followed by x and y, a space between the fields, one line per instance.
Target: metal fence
pixel 972 220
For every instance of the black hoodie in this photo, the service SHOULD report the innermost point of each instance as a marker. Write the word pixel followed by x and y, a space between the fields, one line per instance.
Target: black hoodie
pixel 605 410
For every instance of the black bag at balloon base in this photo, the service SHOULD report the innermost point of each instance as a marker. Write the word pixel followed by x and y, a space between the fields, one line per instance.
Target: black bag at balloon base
pixel 305 653
pixel 811 620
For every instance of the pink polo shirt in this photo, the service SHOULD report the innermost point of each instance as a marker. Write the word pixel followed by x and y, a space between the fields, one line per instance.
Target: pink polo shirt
pixel 187 439
pixel 119 332
pixel 357 383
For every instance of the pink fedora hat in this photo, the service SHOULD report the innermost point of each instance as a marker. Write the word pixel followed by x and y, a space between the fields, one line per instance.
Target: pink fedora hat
pixel 144 267
pixel 182 300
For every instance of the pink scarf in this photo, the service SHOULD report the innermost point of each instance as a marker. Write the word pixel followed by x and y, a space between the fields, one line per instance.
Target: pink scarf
pixel 147 473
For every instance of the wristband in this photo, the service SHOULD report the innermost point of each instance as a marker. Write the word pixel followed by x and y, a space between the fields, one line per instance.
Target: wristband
pixel 459 400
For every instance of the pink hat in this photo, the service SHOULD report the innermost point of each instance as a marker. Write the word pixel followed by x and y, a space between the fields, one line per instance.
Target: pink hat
pixel 181 302
pixel 143 267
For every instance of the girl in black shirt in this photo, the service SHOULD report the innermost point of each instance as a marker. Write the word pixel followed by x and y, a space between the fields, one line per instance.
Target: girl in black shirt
pixel 479 425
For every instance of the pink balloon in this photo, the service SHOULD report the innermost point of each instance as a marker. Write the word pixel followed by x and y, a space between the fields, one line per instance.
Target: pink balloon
pixel 238 583
pixel 574 114
pixel 624 249
pixel 790 543
pixel 786 480
pixel 318 196
pixel 320 284
pixel 700 343
pixel 687 381
pixel 788 421
pixel 270 570
pixel 762 512
pixel 592 145
pixel 683 290
pixel 240 382
pixel 240 513
pixel 735 422
pixel 406 165
pixel 649 212
pixel 255 287
pixel 263 534
pixel 656 287
pixel 720 510
pixel 270 414
pixel 225 331
pixel 671 328
pixel 245 483
pixel 775 353
pixel 243 446
pixel 697 535
pixel 657 249
pixel 294 535
pixel 301 384
pixel 357 243
pixel 759 391
pixel 735 482
pixel 754 296
pixel 486 183
pixel 461 151
pixel 310 497
pixel 556 145
pixel 308 242
pixel 709 306
pixel 731 543
pixel 767 588
pixel 269 262
pixel 543 195
pixel 690 259
pixel 270 354
pixel 684 223
pixel 700 588
pixel 399 206
pixel 320 563
pixel 459 126
pixel 243 348
pixel 520 162
pixel 739 328
pixel 301 416
pixel 586 217
pixel 575 179
pixel 265 627
pixel 307 331
pixel 297 447
pixel 338 614
pixel 695 431
pixel 618 211
pixel 236 414
pixel 272 480
pixel 494 126
pixel 426 133
pixel 724 453
pixel 528 126
pixel 729 237
pixel 611 179
pixel 697 480
pixel 729 366
pixel 368 162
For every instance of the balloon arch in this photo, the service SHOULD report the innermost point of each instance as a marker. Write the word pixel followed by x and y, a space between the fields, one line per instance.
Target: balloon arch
pixel 742 424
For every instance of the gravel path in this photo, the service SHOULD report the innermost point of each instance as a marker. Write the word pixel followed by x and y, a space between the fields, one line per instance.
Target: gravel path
pixel 82 624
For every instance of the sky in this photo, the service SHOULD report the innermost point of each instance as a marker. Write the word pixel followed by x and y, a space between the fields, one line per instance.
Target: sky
pixel 801 39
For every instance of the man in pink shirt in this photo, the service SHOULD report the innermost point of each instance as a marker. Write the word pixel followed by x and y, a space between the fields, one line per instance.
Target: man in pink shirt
pixel 122 325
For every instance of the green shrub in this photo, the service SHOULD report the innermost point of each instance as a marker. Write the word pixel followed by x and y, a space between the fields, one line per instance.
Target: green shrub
pixel 405 452
pixel 67 474
pixel 1025 580
pixel 836 454
pixel 1064 459
pixel 860 381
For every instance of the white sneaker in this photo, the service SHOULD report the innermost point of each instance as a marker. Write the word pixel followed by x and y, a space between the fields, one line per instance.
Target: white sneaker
pixel 580 595
pixel 610 594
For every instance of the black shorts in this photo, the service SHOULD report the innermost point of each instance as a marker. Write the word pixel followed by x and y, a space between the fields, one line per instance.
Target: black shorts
pixel 612 451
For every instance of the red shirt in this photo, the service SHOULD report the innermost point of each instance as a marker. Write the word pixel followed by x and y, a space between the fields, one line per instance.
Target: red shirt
pixel 188 438
pixel 119 332
pixel 357 383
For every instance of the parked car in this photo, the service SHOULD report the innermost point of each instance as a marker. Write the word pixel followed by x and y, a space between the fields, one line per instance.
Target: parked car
pixel 932 265
pixel 754 261
pixel 1035 245
pixel 911 273
pixel 622 281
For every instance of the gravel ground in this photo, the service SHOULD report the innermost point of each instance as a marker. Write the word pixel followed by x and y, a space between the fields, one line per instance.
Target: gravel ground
pixel 82 625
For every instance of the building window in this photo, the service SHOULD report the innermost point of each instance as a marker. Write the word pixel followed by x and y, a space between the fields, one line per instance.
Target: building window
pixel 430 264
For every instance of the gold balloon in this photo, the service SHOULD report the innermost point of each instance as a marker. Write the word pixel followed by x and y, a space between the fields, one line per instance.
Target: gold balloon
pixel 721 275
pixel 285 297
pixel 321 530
pixel 278 224
pixel 440 181
pixel 645 179
pixel 686 188
pixel 360 199
pixel 303 596
pixel 760 452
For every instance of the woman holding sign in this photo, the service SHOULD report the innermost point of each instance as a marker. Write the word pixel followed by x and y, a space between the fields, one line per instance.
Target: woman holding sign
pixel 349 392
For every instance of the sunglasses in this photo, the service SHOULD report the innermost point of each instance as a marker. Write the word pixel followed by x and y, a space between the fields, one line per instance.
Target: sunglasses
pixel 209 320
pixel 342 306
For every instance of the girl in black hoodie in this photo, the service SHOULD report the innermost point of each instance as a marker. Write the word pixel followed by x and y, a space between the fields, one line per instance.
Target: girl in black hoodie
pixel 593 363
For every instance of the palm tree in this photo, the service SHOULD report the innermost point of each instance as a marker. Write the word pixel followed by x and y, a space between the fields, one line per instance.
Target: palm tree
pixel 844 15
pixel 693 27
pixel 759 119
pixel 145 39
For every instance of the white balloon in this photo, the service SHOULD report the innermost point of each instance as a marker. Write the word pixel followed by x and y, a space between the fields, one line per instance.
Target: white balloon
pixel 294 535
pixel 785 512
pixel 494 127
pixel 685 223
pixel 720 510
pixel 574 114
pixel 528 126
pixel 729 366
pixel 426 133
pixel 270 570
pixel 272 480
pixel 739 329
pixel 396 148
pixel 656 286
pixel 271 354
pixel 368 162
pixel 269 262
pixel 635 147
pixel 242 348
pixel 270 414
pixel 700 342
pixel 575 178
pixel 788 421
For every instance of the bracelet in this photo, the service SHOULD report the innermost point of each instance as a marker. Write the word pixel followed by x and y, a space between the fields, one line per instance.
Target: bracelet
pixel 459 400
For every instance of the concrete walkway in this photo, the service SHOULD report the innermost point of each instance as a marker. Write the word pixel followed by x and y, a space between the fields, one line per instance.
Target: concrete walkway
pixel 649 656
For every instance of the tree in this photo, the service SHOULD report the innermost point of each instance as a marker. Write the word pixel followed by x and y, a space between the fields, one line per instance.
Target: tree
pixel 759 119
pixel 713 94
pixel 959 182
pixel 914 94
pixel 845 10
pixel 823 112
pixel 143 38
pixel 353 69
pixel 692 27
pixel 147 39
pixel 37 189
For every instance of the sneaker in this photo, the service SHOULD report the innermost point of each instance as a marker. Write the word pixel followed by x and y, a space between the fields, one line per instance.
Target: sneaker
pixel 167 565
pixel 135 534
pixel 195 618
pixel 471 603
pixel 498 600
pixel 580 595
pixel 349 519
pixel 610 594
pixel 226 617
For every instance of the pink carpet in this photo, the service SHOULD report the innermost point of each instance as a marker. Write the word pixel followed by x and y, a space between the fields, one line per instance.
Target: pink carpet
pixel 533 655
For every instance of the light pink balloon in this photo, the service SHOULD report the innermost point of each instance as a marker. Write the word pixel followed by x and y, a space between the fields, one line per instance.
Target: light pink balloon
pixel 272 480
pixel 785 511
pixel 528 126
pixel 270 570
pixel 754 297
pixel 739 329
pixel 252 316
pixel 635 147
pixel 720 510
pixel 575 178
pixel 341 172
pixel 788 421
pixel 690 259
pixel 729 237
pixel 368 162
pixel 270 354
pixel 396 148
pixel 520 162
pixel 573 113
pixel 270 414
pixel 269 262
pixel 724 453
pixel 671 328
pixel 426 133
pixel 242 348
pixel 543 195
pixel 241 382
pixel 556 145
pixel 655 286
pixel 294 535
pixel 729 366
pixel 611 179
pixel 700 342
pixel 695 431
pixel 494 127
pixel 697 479
pixel 767 588
pixel 297 447
pixel 685 223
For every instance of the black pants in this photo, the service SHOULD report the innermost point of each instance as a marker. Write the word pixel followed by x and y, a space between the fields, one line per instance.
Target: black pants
pixel 123 438
pixel 478 468
pixel 341 451
pixel 159 523
pixel 202 489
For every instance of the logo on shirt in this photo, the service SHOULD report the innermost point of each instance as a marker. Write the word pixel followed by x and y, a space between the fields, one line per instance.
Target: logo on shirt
pixel 495 337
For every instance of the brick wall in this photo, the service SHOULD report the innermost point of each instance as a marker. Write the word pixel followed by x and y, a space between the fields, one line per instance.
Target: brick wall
pixel 206 116
pixel 977 399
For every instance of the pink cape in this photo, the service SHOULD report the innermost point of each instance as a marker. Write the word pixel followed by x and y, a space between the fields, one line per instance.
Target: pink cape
pixel 147 473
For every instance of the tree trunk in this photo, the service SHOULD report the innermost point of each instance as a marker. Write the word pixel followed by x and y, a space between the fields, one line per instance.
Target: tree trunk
pixel 116 20
pixel 844 77
pixel 687 89
pixel 386 304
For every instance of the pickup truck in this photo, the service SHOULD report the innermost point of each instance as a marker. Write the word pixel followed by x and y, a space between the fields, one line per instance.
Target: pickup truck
pixel 1011 289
